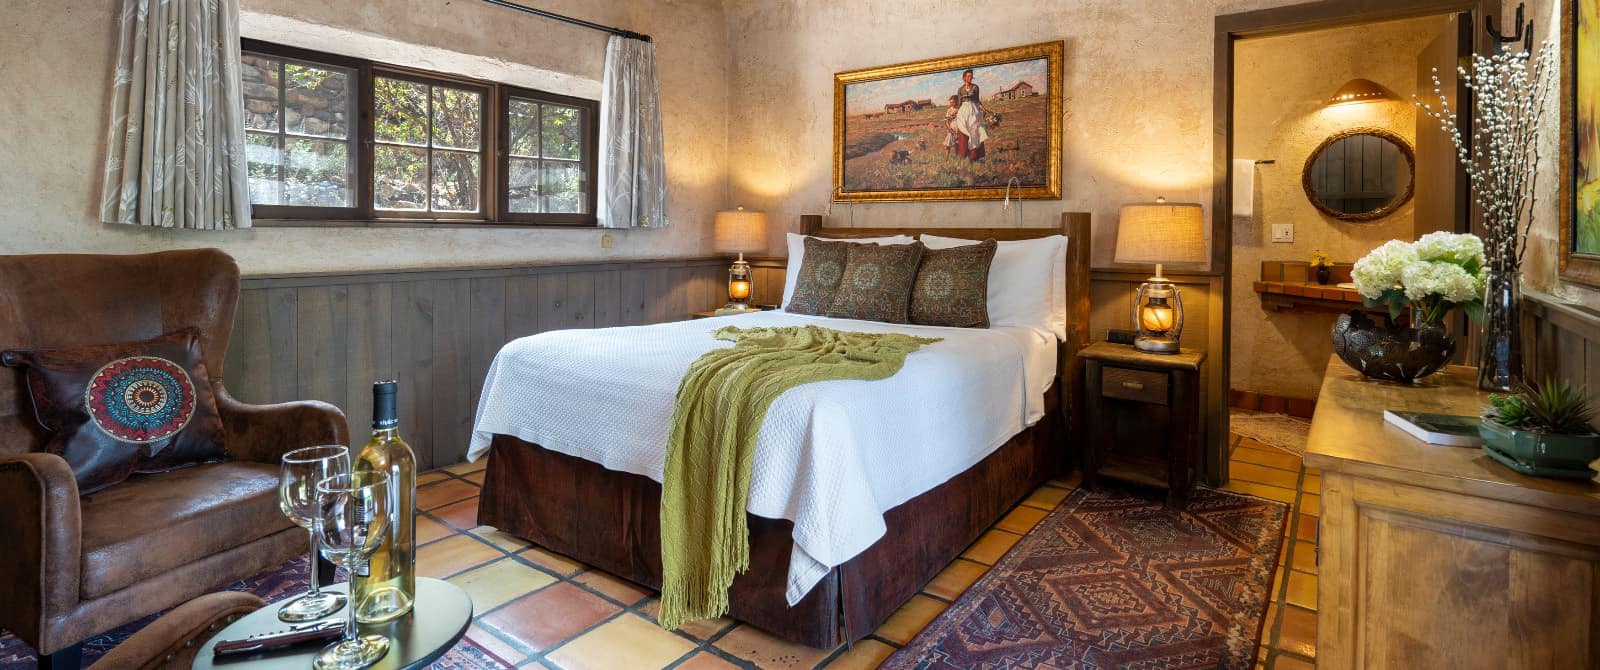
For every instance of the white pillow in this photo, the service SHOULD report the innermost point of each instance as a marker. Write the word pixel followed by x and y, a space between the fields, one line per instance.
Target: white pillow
pixel 1027 281
pixel 797 253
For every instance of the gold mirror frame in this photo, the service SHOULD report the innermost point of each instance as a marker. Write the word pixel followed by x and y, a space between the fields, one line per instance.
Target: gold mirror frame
pixel 1381 212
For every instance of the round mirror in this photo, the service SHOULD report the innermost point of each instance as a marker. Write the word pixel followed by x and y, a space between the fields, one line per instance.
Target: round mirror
pixel 1360 175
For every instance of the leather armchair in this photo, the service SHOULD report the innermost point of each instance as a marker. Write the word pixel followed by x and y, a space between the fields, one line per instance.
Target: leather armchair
pixel 171 642
pixel 76 566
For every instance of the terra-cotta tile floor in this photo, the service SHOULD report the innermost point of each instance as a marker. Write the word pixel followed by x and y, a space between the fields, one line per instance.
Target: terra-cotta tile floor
pixel 538 609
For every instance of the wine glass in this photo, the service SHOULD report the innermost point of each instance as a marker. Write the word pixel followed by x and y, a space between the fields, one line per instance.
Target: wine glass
pixel 355 511
pixel 301 471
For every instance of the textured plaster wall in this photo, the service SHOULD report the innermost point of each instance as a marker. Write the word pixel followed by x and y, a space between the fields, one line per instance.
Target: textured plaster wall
pixel 1137 102
pixel 62 55
pixel 1281 85
pixel 1541 267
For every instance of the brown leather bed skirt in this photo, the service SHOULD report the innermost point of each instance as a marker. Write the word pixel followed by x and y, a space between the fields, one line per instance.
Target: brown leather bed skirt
pixel 611 520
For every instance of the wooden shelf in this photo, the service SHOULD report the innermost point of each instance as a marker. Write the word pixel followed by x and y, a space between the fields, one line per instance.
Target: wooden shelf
pixel 1288 285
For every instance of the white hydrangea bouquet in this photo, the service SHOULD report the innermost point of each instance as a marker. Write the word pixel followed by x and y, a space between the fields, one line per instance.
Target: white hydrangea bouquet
pixel 1437 273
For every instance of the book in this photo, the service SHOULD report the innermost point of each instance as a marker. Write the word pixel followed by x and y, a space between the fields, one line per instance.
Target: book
pixel 1446 429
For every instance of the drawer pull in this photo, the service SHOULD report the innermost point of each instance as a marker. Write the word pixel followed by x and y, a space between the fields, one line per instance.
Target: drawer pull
pixel 1133 386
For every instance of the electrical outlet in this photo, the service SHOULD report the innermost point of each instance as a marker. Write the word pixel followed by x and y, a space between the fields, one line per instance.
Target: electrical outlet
pixel 605 241
pixel 1283 233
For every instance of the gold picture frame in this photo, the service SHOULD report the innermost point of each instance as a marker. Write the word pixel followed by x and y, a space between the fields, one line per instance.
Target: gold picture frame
pixel 905 151
pixel 1575 266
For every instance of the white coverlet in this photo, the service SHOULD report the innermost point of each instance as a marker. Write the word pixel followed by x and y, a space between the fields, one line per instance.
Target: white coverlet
pixel 832 456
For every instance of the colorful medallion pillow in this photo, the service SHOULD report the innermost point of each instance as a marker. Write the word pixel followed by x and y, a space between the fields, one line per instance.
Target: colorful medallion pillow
pixel 821 268
pixel 952 286
pixel 876 285
pixel 117 409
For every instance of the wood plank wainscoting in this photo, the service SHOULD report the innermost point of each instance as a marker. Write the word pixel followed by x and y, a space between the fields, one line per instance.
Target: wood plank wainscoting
pixel 329 336
pixel 1563 340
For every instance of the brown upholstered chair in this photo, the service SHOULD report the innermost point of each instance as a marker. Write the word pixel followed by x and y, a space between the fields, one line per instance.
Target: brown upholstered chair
pixel 170 642
pixel 72 566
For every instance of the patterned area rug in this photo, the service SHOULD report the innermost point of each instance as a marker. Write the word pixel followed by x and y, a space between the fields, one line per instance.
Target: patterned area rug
pixel 273 585
pixel 1111 580
pixel 1276 430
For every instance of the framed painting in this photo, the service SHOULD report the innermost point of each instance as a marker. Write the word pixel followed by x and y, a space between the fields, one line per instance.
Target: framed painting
pixel 955 128
pixel 1580 142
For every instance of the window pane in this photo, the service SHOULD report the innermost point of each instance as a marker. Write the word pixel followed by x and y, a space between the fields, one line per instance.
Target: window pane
pixel 562 132
pixel 455 181
pixel 524 122
pixel 317 173
pixel 259 76
pixel 457 119
pixel 262 162
pixel 316 101
pixel 400 177
pixel 400 109
pixel 522 186
pixel 563 187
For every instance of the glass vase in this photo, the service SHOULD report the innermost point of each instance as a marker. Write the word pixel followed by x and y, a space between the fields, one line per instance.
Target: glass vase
pixel 1500 361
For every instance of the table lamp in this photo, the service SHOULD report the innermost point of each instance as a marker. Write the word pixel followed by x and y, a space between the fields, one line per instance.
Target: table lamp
pixel 739 231
pixel 1160 232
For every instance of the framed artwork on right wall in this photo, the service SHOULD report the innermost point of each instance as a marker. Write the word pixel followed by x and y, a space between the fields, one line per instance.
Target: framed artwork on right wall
pixel 1580 142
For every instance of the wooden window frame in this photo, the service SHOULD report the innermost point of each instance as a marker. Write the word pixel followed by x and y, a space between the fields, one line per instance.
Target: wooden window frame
pixel 290 212
pixel 493 153
pixel 588 159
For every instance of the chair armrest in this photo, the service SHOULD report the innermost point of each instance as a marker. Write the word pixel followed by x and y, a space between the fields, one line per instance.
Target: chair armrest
pixel 43 536
pixel 263 433
pixel 173 639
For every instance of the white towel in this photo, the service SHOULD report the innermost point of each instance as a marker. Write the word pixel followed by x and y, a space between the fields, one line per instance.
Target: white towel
pixel 1244 186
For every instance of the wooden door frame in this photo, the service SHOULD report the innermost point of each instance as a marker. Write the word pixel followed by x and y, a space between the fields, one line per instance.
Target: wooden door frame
pixel 1264 23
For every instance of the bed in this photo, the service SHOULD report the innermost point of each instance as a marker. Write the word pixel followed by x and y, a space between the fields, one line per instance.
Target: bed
pixel 817 576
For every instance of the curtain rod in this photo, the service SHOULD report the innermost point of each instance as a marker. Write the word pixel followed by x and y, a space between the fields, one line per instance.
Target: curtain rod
pixel 567 19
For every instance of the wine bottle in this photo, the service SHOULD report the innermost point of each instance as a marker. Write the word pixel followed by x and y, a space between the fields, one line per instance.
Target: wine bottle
pixel 385 590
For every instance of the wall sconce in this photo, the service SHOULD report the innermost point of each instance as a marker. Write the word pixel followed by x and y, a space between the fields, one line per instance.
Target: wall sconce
pixel 1160 232
pixel 1358 91
pixel 739 231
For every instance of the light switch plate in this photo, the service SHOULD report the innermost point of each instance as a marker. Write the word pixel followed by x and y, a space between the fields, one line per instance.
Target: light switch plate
pixel 1283 232
pixel 605 241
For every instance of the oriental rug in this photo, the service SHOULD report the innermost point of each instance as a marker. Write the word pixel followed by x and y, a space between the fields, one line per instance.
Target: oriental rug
pixel 273 584
pixel 1274 430
pixel 1113 580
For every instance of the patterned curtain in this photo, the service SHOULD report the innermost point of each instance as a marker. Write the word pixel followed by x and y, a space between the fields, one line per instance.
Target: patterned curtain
pixel 632 190
pixel 175 156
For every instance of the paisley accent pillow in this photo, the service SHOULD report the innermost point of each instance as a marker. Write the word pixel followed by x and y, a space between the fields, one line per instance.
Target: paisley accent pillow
pixel 952 286
pixel 820 270
pixel 117 409
pixel 876 285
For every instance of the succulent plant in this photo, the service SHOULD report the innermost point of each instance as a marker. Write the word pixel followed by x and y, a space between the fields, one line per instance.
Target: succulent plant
pixel 1553 407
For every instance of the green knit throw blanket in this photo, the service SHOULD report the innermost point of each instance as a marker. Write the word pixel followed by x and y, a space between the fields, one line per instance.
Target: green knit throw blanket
pixel 721 404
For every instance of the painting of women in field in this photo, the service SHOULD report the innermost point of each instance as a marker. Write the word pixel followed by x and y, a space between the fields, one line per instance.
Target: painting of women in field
pixel 953 128
pixel 1586 130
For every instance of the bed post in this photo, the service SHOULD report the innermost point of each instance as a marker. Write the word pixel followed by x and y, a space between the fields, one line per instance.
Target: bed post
pixel 810 224
pixel 1076 227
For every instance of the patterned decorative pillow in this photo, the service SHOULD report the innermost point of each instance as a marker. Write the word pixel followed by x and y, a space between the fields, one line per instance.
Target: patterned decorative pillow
pixel 952 286
pixel 820 271
pixel 117 409
pixel 876 285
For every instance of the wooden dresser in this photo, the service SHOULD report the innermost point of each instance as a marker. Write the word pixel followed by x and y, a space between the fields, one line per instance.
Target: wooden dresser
pixel 1439 557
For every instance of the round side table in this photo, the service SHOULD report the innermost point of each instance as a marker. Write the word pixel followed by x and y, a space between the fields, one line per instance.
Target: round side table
pixel 438 619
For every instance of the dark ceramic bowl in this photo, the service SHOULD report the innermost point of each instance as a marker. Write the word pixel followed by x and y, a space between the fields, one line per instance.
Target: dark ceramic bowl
pixel 1391 353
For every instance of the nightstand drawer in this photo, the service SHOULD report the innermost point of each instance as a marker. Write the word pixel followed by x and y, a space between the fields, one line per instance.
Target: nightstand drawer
pixel 1135 385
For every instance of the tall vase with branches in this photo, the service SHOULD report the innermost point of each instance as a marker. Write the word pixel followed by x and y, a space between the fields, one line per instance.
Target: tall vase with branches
pixel 1500 155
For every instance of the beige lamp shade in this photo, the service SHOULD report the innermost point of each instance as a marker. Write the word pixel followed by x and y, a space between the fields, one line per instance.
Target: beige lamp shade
pixel 1161 232
pixel 1358 91
pixel 739 231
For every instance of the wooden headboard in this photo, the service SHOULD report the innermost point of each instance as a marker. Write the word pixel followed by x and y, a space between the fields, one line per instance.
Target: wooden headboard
pixel 1075 225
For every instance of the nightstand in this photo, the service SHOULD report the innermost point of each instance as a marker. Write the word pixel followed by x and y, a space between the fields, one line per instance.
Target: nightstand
pixel 1142 415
